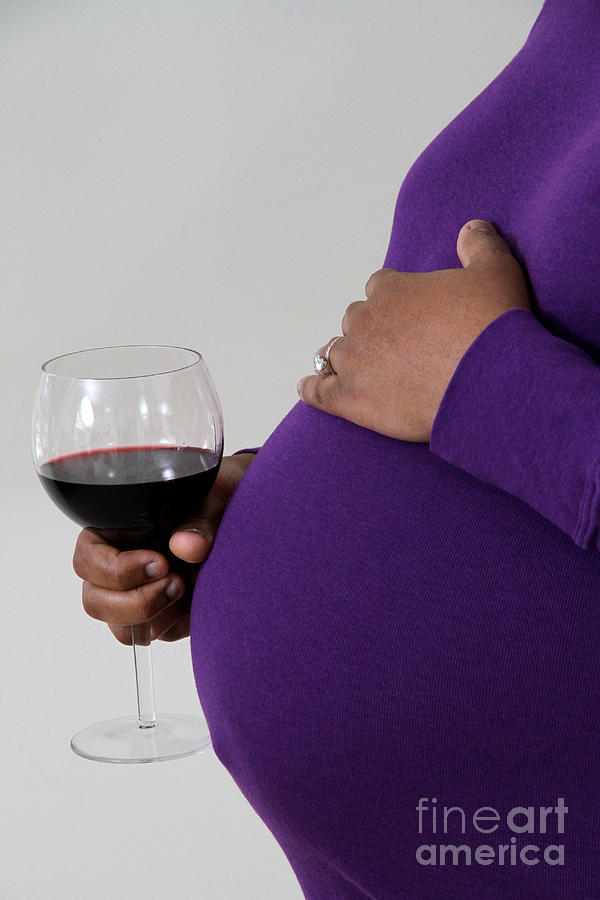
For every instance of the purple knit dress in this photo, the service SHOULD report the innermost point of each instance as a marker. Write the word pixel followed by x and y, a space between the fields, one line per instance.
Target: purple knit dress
pixel 397 645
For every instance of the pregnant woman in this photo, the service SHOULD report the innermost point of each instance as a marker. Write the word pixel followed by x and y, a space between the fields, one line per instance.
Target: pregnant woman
pixel 396 628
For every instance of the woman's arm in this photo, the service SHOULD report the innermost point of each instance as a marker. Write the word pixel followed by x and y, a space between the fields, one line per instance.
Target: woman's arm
pixel 458 359
pixel 522 412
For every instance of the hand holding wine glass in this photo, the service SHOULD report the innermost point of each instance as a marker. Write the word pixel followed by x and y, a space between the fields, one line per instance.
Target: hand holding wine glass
pixel 126 440
pixel 124 588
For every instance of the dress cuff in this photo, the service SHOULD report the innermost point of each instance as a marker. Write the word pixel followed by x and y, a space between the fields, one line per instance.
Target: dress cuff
pixel 522 412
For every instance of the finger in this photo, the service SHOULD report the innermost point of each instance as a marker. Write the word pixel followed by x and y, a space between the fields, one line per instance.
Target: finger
pixel 170 622
pixel 352 311
pixel 134 606
pixel 170 625
pixel 101 564
pixel 479 243
pixel 179 630
pixel 122 633
pixel 320 391
pixel 193 539
pixel 377 279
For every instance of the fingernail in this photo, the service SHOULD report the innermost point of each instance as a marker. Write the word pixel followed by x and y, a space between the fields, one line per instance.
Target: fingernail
pixel 481 225
pixel 154 569
pixel 174 590
pixel 196 531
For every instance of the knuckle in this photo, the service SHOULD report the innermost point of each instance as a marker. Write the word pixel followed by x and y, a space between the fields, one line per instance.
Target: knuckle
pixel 318 393
pixel 114 571
pixel 309 389
pixel 312 389
pixel 141 605
pixel 81 554
pixel 376 279
pixel 350 315
pixel 371 282
pixel 382 282
pixel 147 601
pixel 90 600
pixel 338 354
pixel 78 565
pixel 122 634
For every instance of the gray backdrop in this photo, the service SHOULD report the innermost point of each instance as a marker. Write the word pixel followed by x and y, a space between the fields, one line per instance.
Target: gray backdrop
pixel 220 175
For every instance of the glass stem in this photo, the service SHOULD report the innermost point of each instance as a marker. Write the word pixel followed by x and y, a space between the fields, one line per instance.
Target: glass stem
pixel 144 684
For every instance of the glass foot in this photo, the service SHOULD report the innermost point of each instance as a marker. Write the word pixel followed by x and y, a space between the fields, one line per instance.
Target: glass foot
pixel 123 741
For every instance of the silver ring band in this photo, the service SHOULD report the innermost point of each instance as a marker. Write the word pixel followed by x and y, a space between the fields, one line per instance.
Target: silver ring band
pixel 321 363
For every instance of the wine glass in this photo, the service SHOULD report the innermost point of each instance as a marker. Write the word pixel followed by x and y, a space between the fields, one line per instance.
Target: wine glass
pixel 127 441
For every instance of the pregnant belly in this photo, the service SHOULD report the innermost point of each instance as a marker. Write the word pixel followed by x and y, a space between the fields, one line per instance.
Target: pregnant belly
pixel 374 626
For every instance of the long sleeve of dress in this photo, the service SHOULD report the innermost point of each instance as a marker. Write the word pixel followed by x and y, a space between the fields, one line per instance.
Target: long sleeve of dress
pixel 522 412
pixel 247 450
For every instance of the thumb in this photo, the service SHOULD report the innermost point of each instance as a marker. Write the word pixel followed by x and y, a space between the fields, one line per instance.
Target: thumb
pixel 479 243
pixel 193 539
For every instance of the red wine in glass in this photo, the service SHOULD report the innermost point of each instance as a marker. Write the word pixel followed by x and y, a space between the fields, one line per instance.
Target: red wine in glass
pixel 127 441
pixel 130 488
